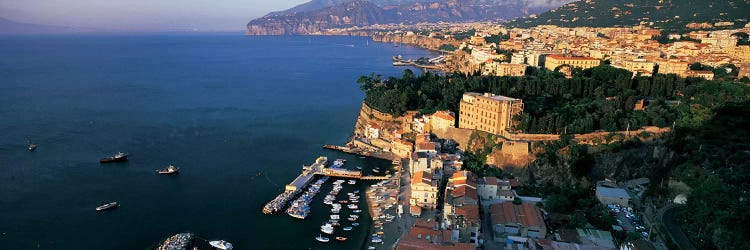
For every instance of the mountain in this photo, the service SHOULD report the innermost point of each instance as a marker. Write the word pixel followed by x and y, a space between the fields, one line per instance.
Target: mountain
pixel 310 18
pixel 667 14
pixel 13 27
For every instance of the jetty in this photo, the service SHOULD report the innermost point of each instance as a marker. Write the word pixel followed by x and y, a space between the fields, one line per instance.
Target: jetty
pixel 319 168
pixel 362 152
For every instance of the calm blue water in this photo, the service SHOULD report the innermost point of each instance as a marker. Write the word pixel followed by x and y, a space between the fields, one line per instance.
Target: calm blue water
pixel 221 106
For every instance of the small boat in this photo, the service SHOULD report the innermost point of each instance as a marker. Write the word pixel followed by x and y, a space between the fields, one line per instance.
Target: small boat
pixel 339 238
pixel 31 146
pixel 220 244
pixel 376 240
pixel 322 239
pixel 357 211
pixel 356 191
pixel 371 248
pixel 107 206
pixel 352 219
pixel 348 229
pixel 358 167
pixel 169 170
pixel 335 217
pixel 375 170
pixel 115 158
pixel 361 157
pixel 352 206
pixel 343 201
pixel 355 224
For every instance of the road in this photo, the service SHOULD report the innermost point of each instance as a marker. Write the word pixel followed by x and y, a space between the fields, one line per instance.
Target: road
pixel 671 223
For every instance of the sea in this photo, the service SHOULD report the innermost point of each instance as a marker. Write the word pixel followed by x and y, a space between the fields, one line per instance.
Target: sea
pixel 238 114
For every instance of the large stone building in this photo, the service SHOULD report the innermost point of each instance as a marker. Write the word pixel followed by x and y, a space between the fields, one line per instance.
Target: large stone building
pixel 554 61
pixel 487 112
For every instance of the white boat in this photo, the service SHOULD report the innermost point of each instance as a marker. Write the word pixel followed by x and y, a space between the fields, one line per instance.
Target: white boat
pixel 357 211
pixel 220 244
pixel 322 239
pixel 327 228
pixel 107 206
pixel 371 248
pixel 335 217
pixel 358 167
pixel 348 229
pixel 352 206
pixel 376 171
pixel 352 182
pixel 355 224
pixel 376 240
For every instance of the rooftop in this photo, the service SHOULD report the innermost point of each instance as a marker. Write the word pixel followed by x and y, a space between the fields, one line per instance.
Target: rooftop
pixel 612 192
pixel 524 214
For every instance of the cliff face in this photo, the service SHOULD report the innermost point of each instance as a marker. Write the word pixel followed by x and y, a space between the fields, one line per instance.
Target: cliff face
pixel 363 13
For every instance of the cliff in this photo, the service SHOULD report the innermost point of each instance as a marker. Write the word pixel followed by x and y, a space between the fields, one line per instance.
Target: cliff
pixel 305 19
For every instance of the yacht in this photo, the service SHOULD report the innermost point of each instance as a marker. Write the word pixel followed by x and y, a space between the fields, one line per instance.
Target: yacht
pixel 220 244
pixel 115 158
pixel 322 239
pixel 169 170
pixel 327 228
pixel 107 206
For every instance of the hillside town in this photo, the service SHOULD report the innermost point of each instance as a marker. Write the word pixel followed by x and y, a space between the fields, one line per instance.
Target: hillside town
pixel 450 207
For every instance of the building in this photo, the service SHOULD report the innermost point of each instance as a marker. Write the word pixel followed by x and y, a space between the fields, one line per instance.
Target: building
pixel 423 190
pixel 554 61
pixel 523 219
pixel 402 148
pixel 372 130
pixel 705 74
pixel 744 71
pixel 494 190
pixel 504 69
pixel 442 120
pixel 636 66
pixel 488 112
pixel 672 67
pixel 420 161
pixel 608 195
pixel 461 208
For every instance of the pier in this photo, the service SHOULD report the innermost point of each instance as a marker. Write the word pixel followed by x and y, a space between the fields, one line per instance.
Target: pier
pixel 307 175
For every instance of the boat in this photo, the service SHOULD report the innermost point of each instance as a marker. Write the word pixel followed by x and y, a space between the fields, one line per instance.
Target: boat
pixel 376 240
pixel 359 168
pixel 357 211
pixel 107 206
pixel 376 171
pixel 371 248
pixel 343 201
pixel 322 239
pixel 327 228
pixel 355 224
pixel 348 229
pixel 352 206
pixel 169 170
pixel 339 238
pixel 356 191
pixel 220 244
pixel 31 146
pixel 115 158
pixel 352 182
pixel 335 217
pixel 352 219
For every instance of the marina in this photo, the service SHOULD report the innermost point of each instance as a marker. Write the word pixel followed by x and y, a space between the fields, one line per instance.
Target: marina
pixel 308 174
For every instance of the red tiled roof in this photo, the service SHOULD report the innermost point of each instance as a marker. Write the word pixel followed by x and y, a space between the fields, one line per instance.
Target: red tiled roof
pixel 426 146
pixel 422 177
pixel 444 115
pixel 469 212
pixel 525 214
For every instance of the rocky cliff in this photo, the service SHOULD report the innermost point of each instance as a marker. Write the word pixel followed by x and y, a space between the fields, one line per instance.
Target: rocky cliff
pixel 308 20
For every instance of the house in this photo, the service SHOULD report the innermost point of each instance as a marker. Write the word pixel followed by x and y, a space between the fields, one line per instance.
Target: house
pixel 461 210
pixel 372 130
pixel 420 161
pixel 523 219
pixel 442 120
pixel 608 195
pixel 423 190
pixel 402 148
pixel 425 235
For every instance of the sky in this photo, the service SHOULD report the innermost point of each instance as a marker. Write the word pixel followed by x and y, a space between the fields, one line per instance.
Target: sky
pixel 143 15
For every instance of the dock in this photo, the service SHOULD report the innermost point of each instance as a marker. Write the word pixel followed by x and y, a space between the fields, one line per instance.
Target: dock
pixel 361 152
pixel 308 174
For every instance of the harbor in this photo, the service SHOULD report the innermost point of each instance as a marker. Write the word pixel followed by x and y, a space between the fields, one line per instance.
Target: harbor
pixel 319 168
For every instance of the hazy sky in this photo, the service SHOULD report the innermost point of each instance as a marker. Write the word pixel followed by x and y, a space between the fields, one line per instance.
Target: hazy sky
pixel 142 14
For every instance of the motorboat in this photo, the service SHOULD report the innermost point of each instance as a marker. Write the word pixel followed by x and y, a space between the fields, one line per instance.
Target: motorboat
pixel 359 168
pixel 107 206
pixel 169 170
pixel 376 240
pixel 322 239
pixel 120 156
pixel 343 201
pixel 355 224
pixel 327 228
pixel 352 206
pixel 221 244
pixel 371 248
pixel 352 182
pixel 31 146
pixel 335 217
pixel 357 211
pixel 347 229
pixel 339 238
pixel 375 170
pixel 352 219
